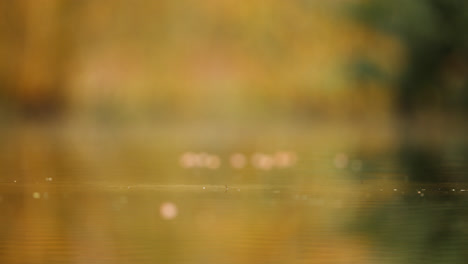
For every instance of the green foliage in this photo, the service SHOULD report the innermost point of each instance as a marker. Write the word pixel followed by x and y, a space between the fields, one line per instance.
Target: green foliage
pixel 434 35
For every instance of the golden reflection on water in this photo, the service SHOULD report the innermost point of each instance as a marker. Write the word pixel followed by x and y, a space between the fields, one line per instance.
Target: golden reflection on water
pixel 174 224
pixel 211 223
pixel 121 196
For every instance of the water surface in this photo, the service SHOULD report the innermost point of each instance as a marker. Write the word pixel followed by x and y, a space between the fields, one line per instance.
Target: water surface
pixel 126 196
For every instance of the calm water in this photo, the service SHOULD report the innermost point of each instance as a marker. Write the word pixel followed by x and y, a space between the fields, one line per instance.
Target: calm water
pixel 241 224
pixel 88 196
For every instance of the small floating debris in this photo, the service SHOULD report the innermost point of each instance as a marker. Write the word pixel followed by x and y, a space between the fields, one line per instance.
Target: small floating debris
pixel 395 190
pixel 48 179
pixel 203 187
pixel 36 195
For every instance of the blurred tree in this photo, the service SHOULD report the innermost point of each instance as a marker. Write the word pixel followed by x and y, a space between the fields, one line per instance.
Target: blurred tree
pixel 434 34
pixel 435 75
pixel 37 43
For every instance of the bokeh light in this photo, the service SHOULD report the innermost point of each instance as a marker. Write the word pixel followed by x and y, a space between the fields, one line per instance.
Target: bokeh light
pixel 238 160
pixel 168 210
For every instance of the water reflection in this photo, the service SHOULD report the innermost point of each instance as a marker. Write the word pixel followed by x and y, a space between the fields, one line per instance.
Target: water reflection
pixel 418 228
pixel 117 195
pixel 176 224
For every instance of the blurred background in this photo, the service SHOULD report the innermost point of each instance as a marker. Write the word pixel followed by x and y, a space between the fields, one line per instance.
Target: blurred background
pixel 226 74
pixel 208 61
pixel 318 123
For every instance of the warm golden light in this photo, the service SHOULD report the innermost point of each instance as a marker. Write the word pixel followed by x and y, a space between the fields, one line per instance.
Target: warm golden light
pixel 238 160
pixel 168 210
